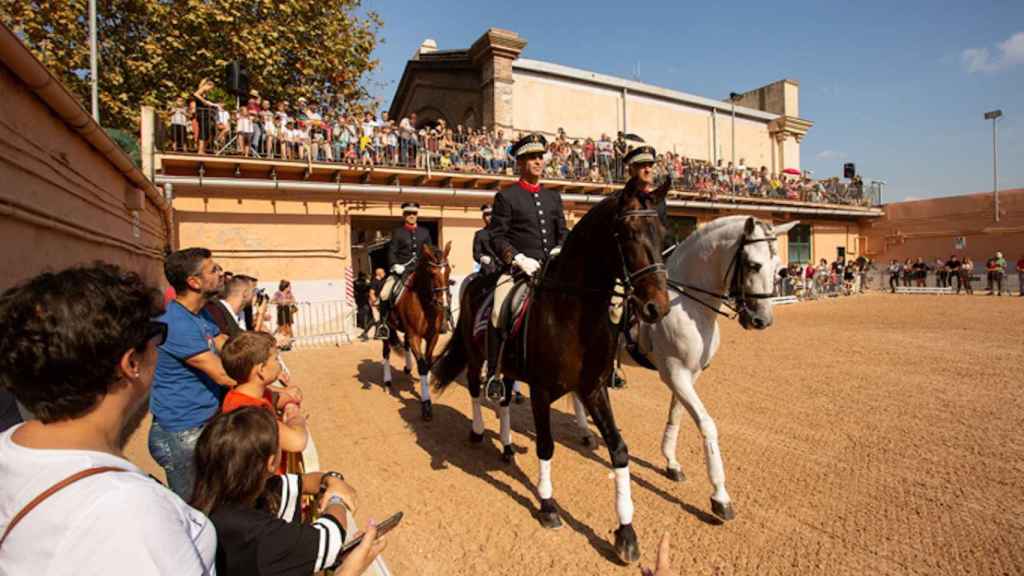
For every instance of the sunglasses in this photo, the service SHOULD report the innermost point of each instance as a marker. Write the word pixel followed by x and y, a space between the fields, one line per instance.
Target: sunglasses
pixel 156 329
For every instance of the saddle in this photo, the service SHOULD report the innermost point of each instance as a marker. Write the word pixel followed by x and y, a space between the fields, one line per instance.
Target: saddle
pixel 512 315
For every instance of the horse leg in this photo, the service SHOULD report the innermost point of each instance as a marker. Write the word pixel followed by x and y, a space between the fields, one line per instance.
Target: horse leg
pixel 427 409
pixel 682 385
pixel 476 435
pixel 549 517
pixel 505 417
pixel 581 420
pixel 409 359
pixel 600 409
pixel 668 440
pixel 387 364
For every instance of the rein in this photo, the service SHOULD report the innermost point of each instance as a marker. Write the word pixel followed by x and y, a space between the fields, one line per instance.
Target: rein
pixel 737 293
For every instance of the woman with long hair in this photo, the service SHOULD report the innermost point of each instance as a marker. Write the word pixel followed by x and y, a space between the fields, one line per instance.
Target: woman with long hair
pixel 257 514
pixel 286 308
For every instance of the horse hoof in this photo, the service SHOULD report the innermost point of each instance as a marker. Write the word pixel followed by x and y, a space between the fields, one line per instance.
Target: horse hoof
pixel 428 411
pixel 475 438
pixel 675 474
pixel 588 442
pixel 548 516
pixel 722 510
pixel 626 546
pixel 387 383
pixel 508 455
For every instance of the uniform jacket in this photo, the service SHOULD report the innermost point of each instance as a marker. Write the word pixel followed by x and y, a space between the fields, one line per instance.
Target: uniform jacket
pixel 406 245
pixel 482 247
pixel 526 222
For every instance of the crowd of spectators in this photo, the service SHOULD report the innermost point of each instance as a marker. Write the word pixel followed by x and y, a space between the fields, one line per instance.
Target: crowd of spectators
pixel 840 277
pixel 323 133
pixel 954 272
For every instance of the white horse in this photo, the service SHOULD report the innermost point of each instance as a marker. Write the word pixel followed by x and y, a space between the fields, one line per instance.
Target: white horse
pixel 732 262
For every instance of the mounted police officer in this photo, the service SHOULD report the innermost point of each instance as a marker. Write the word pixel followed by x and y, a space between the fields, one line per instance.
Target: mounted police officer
pixel 404 249
pixel 640 165
pixel 483 251
pixel 527 227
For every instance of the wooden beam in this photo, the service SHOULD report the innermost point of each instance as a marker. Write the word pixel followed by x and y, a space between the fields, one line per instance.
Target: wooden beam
pixel 422 180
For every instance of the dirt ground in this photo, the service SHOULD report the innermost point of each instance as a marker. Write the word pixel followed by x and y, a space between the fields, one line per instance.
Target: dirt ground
pixel 872 434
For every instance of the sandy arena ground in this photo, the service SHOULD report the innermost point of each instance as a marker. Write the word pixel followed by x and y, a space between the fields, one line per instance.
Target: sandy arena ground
pixel 873 434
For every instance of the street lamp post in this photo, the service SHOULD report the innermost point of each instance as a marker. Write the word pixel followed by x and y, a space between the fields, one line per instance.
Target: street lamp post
pixel 732 99
pixel 92 62
pixel 993 115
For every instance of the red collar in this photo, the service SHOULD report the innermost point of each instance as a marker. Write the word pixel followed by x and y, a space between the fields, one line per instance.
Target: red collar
pixel 531 188
pixel 410 228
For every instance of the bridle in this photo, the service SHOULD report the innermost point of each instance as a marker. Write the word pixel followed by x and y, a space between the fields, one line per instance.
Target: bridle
pixel 441 300
pixel 738 294
pixel 630 278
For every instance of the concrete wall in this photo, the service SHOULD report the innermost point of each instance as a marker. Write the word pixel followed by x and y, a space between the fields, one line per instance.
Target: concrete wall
pixel 62 201
pixel 928 228
pixel 546 104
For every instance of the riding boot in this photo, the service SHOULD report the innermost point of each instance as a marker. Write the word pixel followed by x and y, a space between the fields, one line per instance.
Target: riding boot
pixel 382 332
pixel 494 389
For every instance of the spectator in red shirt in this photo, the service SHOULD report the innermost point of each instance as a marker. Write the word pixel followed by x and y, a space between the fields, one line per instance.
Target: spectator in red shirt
pixel 1020 275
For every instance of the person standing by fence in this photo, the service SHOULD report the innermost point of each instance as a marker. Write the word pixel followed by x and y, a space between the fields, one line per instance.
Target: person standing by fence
pixel 953 265
pixel 967 273
pixel 361 288
pixel 1020 275
pixel 285 301
pixel 894 275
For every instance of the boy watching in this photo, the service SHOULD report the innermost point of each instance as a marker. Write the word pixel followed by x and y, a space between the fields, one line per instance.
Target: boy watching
pixel 252 360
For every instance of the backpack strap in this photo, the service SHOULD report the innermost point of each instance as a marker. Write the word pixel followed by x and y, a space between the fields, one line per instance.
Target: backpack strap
pixel 54 489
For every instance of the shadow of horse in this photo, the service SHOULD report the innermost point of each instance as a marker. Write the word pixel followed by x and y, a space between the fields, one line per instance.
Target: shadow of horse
pixel 446 450
pixel 370 374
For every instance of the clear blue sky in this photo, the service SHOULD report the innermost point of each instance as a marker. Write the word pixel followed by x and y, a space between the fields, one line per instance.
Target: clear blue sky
pixel 899 88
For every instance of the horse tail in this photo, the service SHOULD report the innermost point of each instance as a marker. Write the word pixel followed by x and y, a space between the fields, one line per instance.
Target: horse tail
pixel 453 359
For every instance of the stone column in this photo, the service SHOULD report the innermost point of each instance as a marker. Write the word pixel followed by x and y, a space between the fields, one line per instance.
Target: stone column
pixel 494 53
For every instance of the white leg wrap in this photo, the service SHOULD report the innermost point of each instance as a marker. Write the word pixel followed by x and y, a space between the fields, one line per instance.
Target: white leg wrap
pixel 623 496
pixel 478 417
pixel 506 425
pixel 515 386
pixel 424 387
pixel 544 484
pixel 387 371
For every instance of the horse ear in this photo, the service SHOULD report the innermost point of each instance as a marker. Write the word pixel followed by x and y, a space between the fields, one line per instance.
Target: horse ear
pixel 748 228
pixel 447 249
pixel 781 229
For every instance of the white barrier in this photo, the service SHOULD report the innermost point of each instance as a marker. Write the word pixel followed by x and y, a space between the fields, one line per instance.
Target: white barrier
pixel 924 290
pixel 784 300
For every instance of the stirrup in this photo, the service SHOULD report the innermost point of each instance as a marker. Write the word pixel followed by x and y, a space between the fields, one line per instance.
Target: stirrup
pixel 382 332
pixel 494 389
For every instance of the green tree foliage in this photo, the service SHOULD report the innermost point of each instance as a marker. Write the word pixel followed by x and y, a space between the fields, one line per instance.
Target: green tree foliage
pixel 151 51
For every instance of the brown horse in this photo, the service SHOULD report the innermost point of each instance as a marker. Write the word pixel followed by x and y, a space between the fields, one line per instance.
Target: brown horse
pixel 567 342
pixel 420 314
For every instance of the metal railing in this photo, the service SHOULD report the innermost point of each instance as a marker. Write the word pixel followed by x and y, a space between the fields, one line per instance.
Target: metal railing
pixel 318 324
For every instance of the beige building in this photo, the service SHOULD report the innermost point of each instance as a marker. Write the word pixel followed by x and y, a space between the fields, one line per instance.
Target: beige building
pixel 490 85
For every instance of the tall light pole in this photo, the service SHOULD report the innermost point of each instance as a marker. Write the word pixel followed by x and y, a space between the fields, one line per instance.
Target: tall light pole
pixel 993 115
pixel 92 62
pixel 732 99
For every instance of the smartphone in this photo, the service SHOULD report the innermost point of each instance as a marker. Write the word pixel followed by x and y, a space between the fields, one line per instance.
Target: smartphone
pixel 382 529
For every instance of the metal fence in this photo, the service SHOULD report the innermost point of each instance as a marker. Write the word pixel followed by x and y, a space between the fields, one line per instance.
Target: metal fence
pixel 319 324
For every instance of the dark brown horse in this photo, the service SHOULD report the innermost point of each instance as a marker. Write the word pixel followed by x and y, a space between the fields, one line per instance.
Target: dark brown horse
pixel 419 315
pixel 567 342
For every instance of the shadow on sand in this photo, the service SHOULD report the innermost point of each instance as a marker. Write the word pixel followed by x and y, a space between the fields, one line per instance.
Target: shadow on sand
pixel 446 440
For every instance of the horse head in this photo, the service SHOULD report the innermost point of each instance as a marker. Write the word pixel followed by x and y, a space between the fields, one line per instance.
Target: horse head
pixel 434 269
pixel 754 270
pixel 638 232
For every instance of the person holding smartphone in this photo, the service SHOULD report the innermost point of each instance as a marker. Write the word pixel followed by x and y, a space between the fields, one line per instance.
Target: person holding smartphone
pixel 258 514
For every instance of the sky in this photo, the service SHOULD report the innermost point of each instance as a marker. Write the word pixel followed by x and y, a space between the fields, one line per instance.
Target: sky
pixel 898 88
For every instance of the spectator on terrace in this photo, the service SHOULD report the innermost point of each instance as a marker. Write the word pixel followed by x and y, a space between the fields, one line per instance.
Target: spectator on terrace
pixel 204 115
pixel 253 108
pixel 244 130
pixel 190 379
pixel 179 125
pixel 941 273
pixel 257 514
pixel 88 388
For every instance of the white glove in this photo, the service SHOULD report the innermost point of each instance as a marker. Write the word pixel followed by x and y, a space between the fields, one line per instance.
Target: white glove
pixel 485 260
pixel 526 264
pixel 555 251
pixel 398 269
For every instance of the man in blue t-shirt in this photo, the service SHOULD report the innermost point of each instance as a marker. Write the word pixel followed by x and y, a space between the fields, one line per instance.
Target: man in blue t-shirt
pixel 190 379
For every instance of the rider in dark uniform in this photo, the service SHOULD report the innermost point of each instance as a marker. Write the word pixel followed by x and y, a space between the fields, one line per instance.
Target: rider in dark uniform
pixel 527 227
pixel 404 249
pixel 483 251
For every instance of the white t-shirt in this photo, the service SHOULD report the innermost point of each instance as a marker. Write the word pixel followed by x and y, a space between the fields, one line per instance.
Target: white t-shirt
pixel 109 523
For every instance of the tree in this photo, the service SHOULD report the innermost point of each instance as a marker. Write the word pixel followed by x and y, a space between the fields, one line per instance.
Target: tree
pixel 151 51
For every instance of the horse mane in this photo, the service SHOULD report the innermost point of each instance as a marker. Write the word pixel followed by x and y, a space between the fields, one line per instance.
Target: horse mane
pixel 701 238
pixel 591 232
